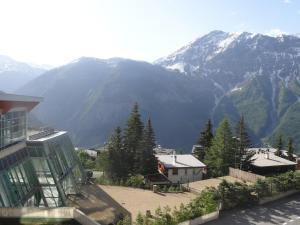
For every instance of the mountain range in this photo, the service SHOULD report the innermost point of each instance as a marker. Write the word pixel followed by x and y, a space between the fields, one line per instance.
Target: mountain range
pixel 219 74
pixel 14 74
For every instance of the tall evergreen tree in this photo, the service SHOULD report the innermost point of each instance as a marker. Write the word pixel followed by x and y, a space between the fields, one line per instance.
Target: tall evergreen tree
pixel 279 145
pixel 132 137
pixel 205 141
pixel 290 150
pixel 242 156
pixel 117 167
pixel 220 156
pixel 147 163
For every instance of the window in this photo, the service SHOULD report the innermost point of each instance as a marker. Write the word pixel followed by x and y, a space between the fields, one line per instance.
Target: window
pixel 185 171
pixel 175 171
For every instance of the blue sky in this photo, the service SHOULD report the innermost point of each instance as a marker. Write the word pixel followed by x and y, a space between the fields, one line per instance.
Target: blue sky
pixel 57 31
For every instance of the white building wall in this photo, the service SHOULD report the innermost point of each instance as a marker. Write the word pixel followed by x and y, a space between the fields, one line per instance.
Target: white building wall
pixel 185 175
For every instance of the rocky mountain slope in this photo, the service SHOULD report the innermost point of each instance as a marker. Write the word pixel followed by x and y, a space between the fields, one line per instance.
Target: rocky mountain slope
pixel 90 97
pixel 257 76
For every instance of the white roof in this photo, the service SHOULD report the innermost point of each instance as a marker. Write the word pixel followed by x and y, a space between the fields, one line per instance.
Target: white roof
pixel 182 161
pixel 268 159
pixel 273 150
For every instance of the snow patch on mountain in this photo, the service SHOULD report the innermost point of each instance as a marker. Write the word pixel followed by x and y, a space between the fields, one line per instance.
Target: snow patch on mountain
pixel 178 66
pixel 224 44
pixel 235 89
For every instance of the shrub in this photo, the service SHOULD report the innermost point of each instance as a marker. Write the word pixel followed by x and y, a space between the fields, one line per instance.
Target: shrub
pixel 235 194
pixel 124 221
pixel 182 214
pixel 262 188
pixel 171 189
pixel 165 188
pixel 164 217
pixel 136 181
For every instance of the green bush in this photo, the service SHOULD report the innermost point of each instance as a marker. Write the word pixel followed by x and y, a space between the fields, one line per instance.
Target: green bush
pixel 135 181
pixel 262 188
pixel 165 188
pixel 125 221
pixel 172 189
pixel 235 194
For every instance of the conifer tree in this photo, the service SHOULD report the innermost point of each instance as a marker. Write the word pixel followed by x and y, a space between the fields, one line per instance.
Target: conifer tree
pixel 290 150
pixel 147 163
pixel 220 156
pixel 279 145
pixel 242 156
pixel 117 167
pixel 132 137
pixel 205 141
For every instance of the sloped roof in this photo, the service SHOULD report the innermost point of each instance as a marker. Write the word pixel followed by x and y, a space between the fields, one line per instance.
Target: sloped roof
pixel 269 159
pixel 182 161
pixel 272 150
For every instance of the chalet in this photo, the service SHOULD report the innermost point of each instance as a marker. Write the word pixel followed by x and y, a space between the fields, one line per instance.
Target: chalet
pixel 181 168
pixel 264 161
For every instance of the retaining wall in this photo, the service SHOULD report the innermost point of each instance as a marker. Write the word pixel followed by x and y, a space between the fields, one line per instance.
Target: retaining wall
pixel 277 197
pixel 202 219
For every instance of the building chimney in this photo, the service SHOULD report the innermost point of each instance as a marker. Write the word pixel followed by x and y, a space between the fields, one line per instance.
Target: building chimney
pixel 267 155
pixel 174 158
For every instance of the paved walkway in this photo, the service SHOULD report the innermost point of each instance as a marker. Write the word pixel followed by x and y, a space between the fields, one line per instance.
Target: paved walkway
pixel 284 212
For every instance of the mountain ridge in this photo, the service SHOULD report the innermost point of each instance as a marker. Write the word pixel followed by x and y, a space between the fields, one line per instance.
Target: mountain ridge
pixel 220 74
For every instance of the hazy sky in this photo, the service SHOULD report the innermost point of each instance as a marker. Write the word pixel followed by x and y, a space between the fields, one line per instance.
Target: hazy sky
pixel 57 31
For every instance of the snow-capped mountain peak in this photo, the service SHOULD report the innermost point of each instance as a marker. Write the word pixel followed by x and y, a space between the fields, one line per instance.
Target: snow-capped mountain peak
pixel 201 57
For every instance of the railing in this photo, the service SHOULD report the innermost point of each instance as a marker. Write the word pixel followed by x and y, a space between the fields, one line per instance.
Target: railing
pixel 44 133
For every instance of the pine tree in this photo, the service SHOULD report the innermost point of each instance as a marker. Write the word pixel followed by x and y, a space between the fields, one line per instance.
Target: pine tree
pixel 290 150
pixel 147 163
pixel 220 156
pixel 132 137
pixel 279 145
pixel 205 141
pixel 117 167
pixel 243 157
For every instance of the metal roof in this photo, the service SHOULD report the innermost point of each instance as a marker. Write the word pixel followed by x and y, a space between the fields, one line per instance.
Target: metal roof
pixel 181 161
pixel 268 159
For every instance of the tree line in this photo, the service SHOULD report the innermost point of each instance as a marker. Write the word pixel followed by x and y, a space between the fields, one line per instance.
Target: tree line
pixel 225 148
pixel 290 148
pixel 130 152
pixel 228 147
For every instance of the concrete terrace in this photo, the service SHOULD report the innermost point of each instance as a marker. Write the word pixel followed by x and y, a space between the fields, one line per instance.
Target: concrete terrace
pixel 138 200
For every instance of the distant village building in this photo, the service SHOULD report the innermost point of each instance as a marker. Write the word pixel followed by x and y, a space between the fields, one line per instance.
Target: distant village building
pixel 91 153
pixel 266 162
pixel 181 168
pixel 163 151
pixel 197 148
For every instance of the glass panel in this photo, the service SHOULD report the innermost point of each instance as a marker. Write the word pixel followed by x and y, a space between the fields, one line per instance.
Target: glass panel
pixel 12 127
